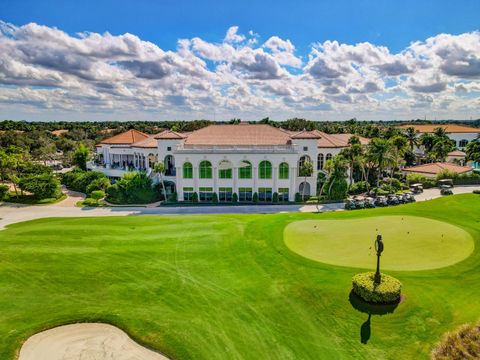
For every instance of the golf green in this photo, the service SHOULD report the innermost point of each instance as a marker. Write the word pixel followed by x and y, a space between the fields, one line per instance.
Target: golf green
pixel 411 242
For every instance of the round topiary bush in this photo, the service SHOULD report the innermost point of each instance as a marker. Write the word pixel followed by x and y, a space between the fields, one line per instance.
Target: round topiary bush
pixel 388 291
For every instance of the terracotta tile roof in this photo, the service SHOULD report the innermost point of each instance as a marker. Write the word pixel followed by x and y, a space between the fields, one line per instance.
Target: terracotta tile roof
pixel 149 142
pixel 449 128
pixel 336 140
pixel 126 138
pixel 457 153
pixel 435 168
pixel 170 135
pixel 305 135
pixel 59 132
pixel 242 134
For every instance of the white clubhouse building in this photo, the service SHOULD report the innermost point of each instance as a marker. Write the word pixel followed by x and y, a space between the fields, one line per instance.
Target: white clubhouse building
pixel 225 159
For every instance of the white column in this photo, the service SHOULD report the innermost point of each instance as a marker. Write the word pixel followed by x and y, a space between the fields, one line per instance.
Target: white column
pixel 293 190
pixel 215 180
pixel 255 176
pixel 275 175
pixel 235 184
pixel 195 179
pixel 178 184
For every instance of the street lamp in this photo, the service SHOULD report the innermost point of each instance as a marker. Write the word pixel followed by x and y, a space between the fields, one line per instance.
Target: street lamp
pixel 379 248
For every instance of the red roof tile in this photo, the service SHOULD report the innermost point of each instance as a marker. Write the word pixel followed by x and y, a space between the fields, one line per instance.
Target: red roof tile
pixel 436 168
pixel 170 135
pixel 126 138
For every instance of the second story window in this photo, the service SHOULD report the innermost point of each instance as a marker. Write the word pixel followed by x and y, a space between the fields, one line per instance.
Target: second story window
pixel 205 170
pixel 245 170
pixel 283 171
pixel 187 171
pixel 265 170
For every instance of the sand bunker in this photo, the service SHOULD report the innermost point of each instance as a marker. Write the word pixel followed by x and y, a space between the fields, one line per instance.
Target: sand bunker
pixel 85 342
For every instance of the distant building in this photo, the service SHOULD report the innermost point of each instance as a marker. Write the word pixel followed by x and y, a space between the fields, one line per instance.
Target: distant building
pixel 225 159
pixel 433 169
pixel 460 134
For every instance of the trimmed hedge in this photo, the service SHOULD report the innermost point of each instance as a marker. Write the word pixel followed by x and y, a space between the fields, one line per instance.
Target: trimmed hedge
pixel 388 291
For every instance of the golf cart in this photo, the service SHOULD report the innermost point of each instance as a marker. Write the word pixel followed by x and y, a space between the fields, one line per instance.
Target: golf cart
pixel 369 202
pixel 445 184
pixel 416 188
pixel 359 202
pixel 350 204
pixel 392 200
pixel 381 201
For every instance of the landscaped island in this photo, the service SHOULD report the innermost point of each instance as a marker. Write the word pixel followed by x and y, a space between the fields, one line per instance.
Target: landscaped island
pixel 228 286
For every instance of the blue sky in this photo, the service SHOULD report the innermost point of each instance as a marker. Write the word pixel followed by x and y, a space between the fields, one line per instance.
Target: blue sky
pixel 298 55
pixel 392 23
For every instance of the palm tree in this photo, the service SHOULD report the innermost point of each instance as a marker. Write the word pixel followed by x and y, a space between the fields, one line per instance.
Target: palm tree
pixel 353 155
pixel 441 149
pixel 412 137
pixel 159 168
pixel 336 168
pixel 306 169
pixel 427 140
pixel 380 153
pixel 439 132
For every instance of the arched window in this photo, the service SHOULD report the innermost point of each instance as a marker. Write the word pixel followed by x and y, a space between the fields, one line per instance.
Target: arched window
pixel 320 161
pixel 283 171
pixel 265 170
pixel 462 143
pixel 301 162
pixel 152 159
pixel 205 169
pixel 169 166
pixel 245 170
pixel 328 157
pixel 187 170
pixel 225 169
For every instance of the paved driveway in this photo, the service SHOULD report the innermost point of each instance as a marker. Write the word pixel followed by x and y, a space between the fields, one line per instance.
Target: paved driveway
pixel 13 213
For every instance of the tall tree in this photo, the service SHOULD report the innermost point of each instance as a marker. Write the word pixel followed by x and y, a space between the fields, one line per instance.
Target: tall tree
pixel 473 151
pixel 159 168
pixel 80 156
pixel 441 148
pixel 380 153
pixel 306 169
pixel 412 137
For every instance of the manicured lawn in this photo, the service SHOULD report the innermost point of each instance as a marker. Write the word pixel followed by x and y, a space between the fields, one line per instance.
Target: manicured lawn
pixel 412 242
pixel 30 200
pixel 225 287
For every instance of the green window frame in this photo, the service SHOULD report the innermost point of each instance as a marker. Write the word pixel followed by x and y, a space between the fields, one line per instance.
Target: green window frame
pixel 225 194
pixel 205 169
pixel 283 171
pixel 188 193
pixel 245 194
pixel 205 193
pixel 187 170
pixel 283 194
pixel 265 194
pixel 225 173
pixel 246 171
pixel 265 170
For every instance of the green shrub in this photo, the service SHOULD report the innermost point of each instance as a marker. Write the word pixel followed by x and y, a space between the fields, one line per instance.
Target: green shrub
pixel 3 191
pixel 461 344
pixel 132 188
pixel 101 183
pixel 419 178
pixel 298 197
pixel 97 194
pixel 339 189
pixel 173 197
pixel 214 198
pixel 42 186
pixel 90 202
pixel 275 197
pixel 358 188
pixel 387 291
pixel 79 180
pixel 255 197
pixel 195 197
pixel 446 174
pixel 234 197
pixel 476 191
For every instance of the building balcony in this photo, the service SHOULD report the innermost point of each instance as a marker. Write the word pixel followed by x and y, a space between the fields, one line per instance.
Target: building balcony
pixel 236 149
pixel 112 171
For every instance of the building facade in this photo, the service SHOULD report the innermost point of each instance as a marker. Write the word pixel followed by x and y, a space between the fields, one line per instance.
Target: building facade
pixel 225 159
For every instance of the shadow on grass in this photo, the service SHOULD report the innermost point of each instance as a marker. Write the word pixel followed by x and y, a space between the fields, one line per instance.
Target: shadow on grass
pixel 371 309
